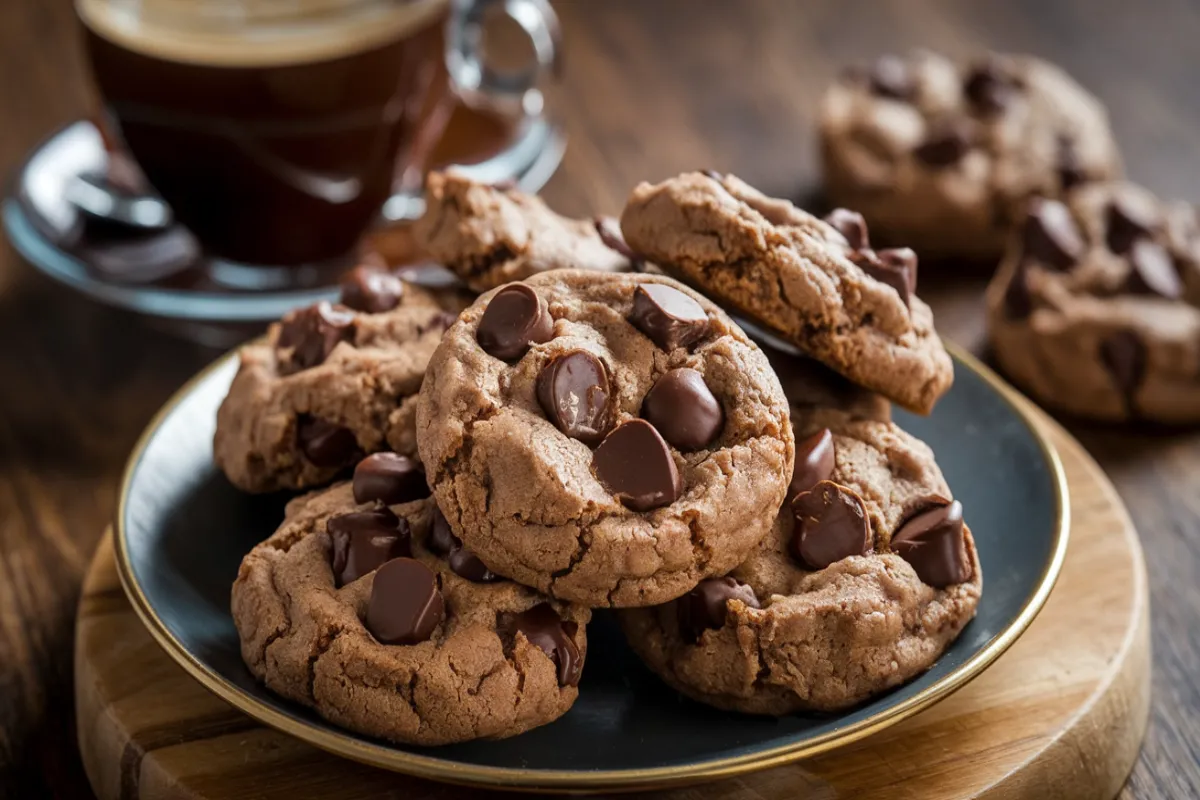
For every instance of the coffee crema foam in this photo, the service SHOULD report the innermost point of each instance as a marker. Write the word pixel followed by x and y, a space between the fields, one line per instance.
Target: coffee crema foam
pixel 255 33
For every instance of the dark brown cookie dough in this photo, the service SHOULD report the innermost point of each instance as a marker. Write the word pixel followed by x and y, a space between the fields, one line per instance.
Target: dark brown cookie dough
pixel 482 658
pixel 940 157
pixel 816 284
pixel 327 384
pixel 489 235
pixel 1095 309
pixel 632 520
pixel 781 634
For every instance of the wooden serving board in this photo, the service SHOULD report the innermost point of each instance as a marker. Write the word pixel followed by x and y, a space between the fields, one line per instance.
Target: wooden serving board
pixel 1061 715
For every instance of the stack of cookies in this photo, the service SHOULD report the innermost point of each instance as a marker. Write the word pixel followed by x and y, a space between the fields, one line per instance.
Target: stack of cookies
pixel 596 430
pixel 1095 309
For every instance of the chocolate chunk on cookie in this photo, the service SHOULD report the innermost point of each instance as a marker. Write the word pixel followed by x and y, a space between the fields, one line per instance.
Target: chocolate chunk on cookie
pixel 942 157
pixel 827 293
pixel 326 385
pixel 1095 310
pixel 490 235
pixel 642 448
pixel 860 586
pixel 352 610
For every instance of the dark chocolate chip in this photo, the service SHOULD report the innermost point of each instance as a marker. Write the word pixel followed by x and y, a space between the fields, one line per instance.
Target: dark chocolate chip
pixel 515 318
pixel 890 77
pixel 831 524
pixel 1124 356
pixel 635 464
pixel 945 145
pixel 390 478
pixel 573 389
pixel 1152 270
pixel 467 565
pixel 683 409
pixel 545 630
pixel 325 444
pixel 1018 300
pixel 932 541
pixel 668 316
pixel 363 541
pixel 371 290
pixel 851 225
pixel 1128 222
pixel 896 267
pixel 814 462
pixel 312 333
pixel 1050 234
pixel 1071 169
pixel 406 604
pixel 703 608
pixel 441 540
pixel 989 87
pixel 609 230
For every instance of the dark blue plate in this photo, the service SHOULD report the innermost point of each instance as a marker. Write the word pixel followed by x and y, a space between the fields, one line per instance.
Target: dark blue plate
pixel 182 531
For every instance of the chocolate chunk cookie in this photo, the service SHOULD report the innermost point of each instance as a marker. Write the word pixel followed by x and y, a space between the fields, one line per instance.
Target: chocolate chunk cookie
pixel 1095 309
pixel 329 383
pixel 867 576
pixel 490 235
pixel 941 158
pixel 816 283
pixel 375 617
pixel 607 439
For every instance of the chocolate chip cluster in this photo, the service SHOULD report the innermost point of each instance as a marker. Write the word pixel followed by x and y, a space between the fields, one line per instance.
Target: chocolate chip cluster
pixel 574 389
pixel 895 266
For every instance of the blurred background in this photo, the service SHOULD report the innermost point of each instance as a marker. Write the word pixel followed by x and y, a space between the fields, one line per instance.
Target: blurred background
pixel 649 89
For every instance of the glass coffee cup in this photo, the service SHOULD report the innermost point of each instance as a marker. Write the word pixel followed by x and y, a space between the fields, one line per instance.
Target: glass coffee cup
pixel 276 130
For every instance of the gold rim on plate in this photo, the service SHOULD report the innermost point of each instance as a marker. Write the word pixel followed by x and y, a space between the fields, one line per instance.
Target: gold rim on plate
pixel 515 778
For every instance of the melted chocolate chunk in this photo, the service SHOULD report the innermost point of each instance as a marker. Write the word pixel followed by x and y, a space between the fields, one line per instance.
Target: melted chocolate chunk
pixel 312 333
pixel 1153 271
pixel 405 605
pixel 703 608
pixel 389 478
pixel 544 629
pixel 371 290
pixel 896 267
pixel 683 409
pixel 933 542
pixel 573 389
pixel 634 463
pixel 945 146
pixel 831 524
pixel 1127 223
pixel 1051 236
pixel 668 316
pixel 515 319
pixel 363 541
pixel 441 540
pixel 814 462
pixel 851 225
pixel 325 444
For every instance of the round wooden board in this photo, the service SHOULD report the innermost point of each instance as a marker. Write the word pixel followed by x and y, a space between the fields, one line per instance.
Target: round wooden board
pixel 1060 715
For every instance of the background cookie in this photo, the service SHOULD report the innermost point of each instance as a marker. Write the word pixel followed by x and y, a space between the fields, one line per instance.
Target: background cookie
pixel 1096 307
pixel 473 657
pixel 818 285
pixel 328 384
pixel 862 596
pixel 940 158
pixel 544 463
pixel 490 235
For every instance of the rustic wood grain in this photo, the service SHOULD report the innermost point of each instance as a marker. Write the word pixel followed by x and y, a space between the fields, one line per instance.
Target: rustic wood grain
pixel 1060 715
pixel 651 88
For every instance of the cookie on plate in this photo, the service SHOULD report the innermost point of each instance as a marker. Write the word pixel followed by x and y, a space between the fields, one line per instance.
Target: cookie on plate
pixel 940 157
pixel 490 235
pixel 376 617
pixel 1095 309
pixel 607 439
pixel 329 383
pixel 866 578
pixel 817 284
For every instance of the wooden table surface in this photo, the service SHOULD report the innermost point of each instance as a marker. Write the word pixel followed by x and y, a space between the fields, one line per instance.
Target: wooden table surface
pixel 651 89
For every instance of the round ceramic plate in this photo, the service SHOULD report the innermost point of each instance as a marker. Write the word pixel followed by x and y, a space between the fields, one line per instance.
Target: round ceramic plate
pixel 182 531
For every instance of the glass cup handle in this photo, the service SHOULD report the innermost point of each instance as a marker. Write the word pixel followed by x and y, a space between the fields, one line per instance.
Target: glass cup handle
pixel 512 92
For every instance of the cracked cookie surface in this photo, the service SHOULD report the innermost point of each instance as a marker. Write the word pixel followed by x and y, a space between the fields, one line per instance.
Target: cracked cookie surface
pixel 306 405
pixel 1095 308
pixel 836 299
pixel 474 676
pixel 526 497
pixel 940 157
pixel 778 637
pixel 490 235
